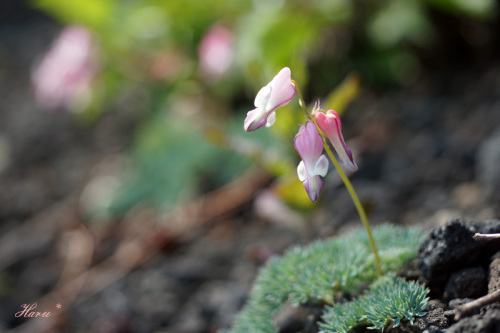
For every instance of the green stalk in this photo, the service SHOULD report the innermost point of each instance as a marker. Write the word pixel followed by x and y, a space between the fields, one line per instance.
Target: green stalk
pixel 347 183
pixel 357 203
pixel 301 101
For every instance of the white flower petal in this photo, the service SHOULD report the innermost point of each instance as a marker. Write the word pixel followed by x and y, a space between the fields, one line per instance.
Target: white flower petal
pixel 262 97
pixel 321 167
pixel 301 171
pixel 271 119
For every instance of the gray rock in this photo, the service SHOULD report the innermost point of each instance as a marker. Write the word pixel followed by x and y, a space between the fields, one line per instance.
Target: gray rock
pixel 494 276
pixel 468 282
pixel 451 247
pixel 458 302
pixel 433 329
pixel 434 318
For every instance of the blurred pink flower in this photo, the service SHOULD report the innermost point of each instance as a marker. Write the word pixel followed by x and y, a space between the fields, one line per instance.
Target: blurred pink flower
pixel 330 124
pixel 309 145
pixel 216 51
pixel 63 78
pixel 277 93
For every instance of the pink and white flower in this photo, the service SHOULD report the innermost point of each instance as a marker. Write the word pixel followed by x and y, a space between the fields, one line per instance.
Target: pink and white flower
pixel 309 145
pixel 279 92
pixel 330 124
pixel 64 77
pixel 216 51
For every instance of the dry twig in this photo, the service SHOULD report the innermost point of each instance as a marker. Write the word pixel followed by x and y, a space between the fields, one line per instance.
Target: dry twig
pixel 478 236
pixel 468 308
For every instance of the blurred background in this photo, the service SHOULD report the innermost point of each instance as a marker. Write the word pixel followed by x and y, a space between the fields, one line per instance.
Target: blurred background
pixel 130 194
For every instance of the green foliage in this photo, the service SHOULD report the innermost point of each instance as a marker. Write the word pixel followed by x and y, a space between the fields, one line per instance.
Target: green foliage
pixel 400 21
pixel 91 13
pixel 318 272
pixel 388 300
pixel 171 162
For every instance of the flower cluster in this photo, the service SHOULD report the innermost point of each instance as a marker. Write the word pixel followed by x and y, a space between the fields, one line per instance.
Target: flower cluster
pixel 308 142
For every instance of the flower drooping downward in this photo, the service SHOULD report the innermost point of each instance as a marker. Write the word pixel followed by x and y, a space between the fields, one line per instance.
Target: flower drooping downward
pixel 277 93
pixel 330 124
pixel 309 145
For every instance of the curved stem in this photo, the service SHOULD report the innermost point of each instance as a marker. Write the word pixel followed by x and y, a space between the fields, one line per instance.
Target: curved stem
pixel 357 203
pixel 347 183
pixel 301 100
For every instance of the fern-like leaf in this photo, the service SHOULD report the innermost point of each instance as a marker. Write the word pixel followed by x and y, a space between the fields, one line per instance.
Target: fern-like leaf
pixel 317 272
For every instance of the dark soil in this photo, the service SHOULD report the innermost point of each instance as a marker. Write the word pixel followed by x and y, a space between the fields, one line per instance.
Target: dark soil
pixel 426 153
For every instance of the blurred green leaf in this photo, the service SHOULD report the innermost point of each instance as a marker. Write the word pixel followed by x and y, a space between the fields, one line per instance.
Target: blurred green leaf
pixel 389 67
pixel 341 96
pixel 292 192
pixel 290 118
pixel 277 38
pixel 336 11
pixel 478 8
pixel 172 163
pixel 399 21
pixel 190 19
pixel 91 13
pixel 272 148
pixel 145 23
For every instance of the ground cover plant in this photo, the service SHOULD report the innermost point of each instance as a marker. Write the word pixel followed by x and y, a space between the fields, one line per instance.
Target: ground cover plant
pixel 319 272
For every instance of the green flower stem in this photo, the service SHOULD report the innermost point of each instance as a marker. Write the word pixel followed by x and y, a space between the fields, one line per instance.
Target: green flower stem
pixel 357 203
pixel 301 101
pixel 347 183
